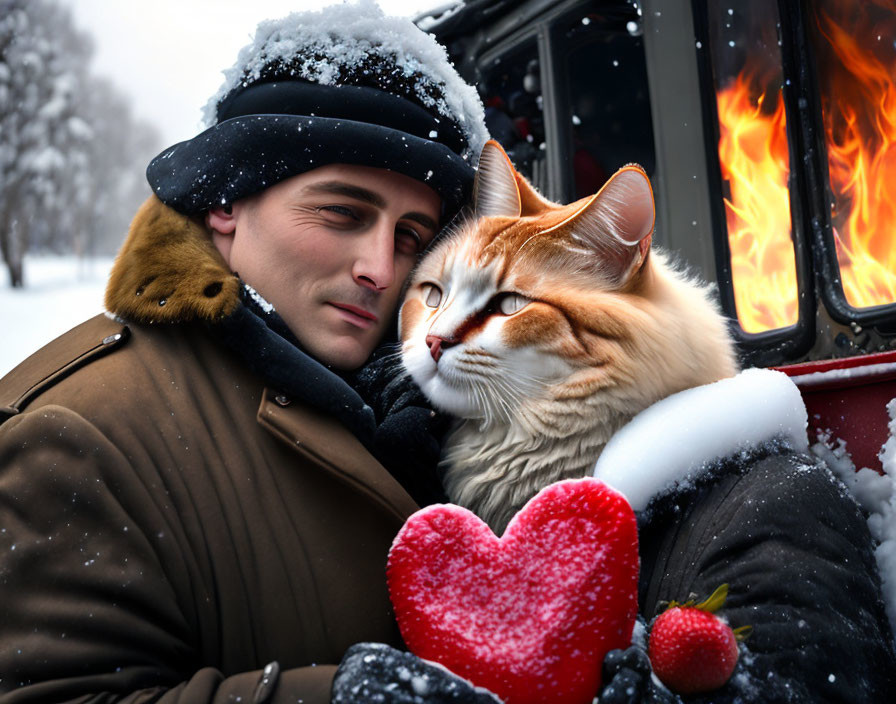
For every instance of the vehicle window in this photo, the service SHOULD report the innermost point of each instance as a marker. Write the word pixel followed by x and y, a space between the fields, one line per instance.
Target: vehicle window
pixel 608 95
pixel 754 161
pixel 511 92
pixel 856 65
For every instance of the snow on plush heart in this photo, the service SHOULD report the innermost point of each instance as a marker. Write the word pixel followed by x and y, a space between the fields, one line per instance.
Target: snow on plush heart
pixel 529 615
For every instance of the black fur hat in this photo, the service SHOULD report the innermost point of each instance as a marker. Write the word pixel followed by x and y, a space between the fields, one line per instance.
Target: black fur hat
pixel 342 85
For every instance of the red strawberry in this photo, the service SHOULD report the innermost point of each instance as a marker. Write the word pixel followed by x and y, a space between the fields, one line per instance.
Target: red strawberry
pixel 691 649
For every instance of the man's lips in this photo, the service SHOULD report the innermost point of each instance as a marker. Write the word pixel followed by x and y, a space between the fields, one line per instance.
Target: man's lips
pixel 355 315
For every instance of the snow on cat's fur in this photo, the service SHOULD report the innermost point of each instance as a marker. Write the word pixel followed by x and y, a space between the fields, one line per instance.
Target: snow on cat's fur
pixel 545 328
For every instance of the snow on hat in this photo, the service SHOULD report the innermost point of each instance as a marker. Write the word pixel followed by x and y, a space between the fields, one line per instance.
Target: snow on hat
pixel 345 84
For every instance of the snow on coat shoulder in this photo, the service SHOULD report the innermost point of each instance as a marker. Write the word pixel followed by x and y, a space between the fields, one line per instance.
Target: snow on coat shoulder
pixel 670 442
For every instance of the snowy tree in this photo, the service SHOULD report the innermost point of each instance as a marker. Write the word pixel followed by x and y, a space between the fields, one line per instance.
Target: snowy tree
pixel 42 136
pixel 118 158
pixel 68 142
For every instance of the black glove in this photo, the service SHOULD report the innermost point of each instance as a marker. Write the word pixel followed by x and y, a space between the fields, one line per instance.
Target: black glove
pixel 374 672
pixel 627 680
pixel 409 432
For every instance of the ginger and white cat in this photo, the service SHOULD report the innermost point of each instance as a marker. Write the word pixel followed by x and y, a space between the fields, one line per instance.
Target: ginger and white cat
pixel 544 328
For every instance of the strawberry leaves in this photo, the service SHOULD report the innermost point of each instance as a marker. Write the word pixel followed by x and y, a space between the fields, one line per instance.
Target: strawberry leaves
pixel 691 649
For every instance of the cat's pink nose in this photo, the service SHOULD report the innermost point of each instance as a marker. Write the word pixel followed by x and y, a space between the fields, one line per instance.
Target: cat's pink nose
pixel 437 343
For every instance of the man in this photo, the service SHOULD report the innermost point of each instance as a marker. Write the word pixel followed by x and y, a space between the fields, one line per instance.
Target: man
pixel 190 507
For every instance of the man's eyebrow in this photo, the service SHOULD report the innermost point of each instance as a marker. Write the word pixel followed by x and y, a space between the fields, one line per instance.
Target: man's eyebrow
pixel 346 189
pixel 424 220
pixel 358 193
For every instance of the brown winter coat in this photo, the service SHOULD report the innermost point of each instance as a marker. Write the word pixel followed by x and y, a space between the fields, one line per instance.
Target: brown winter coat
pixel 169 526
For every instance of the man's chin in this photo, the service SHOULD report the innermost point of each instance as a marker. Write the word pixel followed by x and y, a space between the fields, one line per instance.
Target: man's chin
pixel 343 353
pixel 330 340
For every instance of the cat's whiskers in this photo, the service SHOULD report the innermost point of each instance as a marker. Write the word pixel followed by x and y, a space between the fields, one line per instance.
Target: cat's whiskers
pixel 493 407
pixel 476 370
pixel 481 401
pixel 393 356
pixel 507 398
pixel 495 394
pixel 517 391
pixel 479 352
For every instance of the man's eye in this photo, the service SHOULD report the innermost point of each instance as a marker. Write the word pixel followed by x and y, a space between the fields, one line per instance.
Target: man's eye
pixel 340 211
pixel 407 241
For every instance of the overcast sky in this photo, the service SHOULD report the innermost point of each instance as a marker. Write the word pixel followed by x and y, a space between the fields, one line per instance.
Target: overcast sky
pixel 169 54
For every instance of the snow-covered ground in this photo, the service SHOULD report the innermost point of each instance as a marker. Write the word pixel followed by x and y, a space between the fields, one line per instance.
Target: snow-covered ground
pixel 61 292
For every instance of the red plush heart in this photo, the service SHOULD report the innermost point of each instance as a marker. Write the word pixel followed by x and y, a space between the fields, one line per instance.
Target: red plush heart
pixel 529 615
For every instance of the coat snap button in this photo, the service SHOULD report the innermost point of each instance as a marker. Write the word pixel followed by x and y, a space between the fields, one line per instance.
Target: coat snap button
pixel 282 400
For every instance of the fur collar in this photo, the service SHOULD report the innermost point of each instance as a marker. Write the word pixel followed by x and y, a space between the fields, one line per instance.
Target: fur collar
pixel 672 444
pixel 168 271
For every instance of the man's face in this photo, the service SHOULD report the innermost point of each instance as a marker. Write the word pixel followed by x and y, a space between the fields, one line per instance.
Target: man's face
pixel 331 249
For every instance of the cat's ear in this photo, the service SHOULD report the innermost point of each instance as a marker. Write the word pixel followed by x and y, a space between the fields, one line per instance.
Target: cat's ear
pixel 531 201
pixel 495 190
pixel 618 223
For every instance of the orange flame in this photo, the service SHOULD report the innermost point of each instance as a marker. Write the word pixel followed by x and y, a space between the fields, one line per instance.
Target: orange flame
pixel 754 160
pixel 859 108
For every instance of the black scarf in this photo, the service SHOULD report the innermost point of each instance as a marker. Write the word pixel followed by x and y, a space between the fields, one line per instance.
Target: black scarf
pixel 379 403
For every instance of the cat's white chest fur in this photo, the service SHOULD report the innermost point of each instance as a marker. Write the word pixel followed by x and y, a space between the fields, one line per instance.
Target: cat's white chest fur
pixel 494 470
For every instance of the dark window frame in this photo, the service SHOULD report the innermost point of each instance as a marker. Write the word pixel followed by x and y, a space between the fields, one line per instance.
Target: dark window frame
pixel 795 340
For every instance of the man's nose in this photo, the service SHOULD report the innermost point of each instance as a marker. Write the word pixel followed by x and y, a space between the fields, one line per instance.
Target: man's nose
pixel 374 266
pixel 437 343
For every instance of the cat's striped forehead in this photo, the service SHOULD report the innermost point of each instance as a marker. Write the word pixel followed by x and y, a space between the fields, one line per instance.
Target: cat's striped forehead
pixel 548 232
pixel 498 251
pixel 464 266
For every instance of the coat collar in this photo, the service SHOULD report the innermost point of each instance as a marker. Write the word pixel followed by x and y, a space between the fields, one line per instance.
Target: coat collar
pixel 264 342
pixel 311 433
pixel 672 444
pixel 169 271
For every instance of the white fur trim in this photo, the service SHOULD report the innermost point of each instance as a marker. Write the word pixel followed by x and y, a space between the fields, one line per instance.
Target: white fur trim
pixel 671 442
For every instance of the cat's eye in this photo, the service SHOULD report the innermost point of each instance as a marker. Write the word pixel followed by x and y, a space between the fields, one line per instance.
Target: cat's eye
pixel 432 295
pixel 509 303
